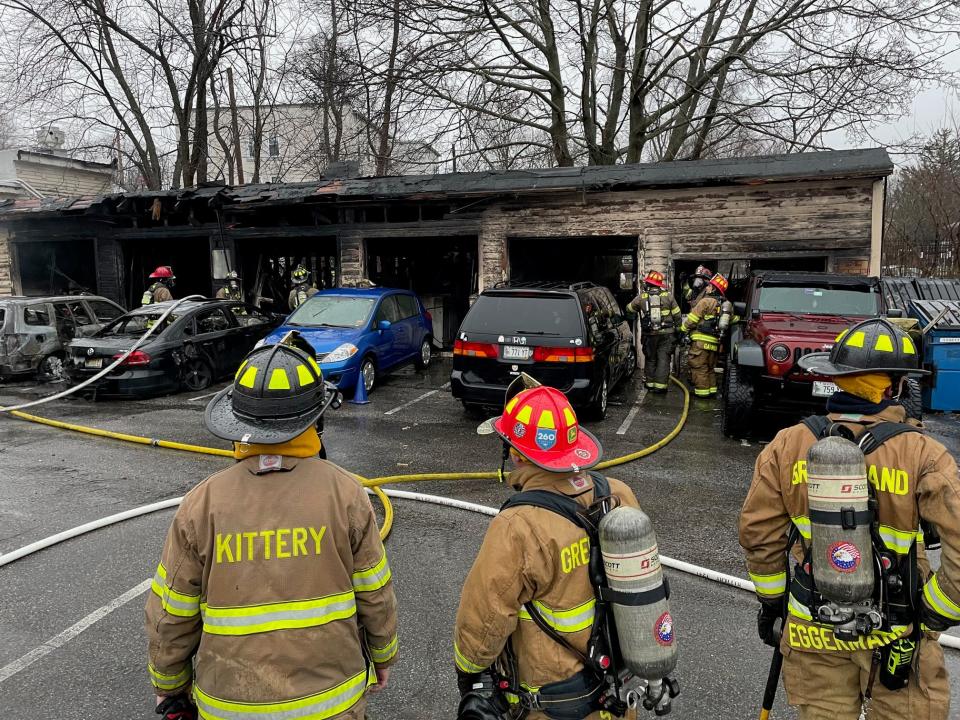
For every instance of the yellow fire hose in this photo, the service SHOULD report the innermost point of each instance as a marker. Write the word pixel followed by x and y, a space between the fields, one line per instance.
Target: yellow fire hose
pixel 373 483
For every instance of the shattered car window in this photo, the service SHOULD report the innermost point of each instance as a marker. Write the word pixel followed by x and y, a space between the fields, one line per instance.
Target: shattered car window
pixel 332 311
pixel 136 324
pixel 36 315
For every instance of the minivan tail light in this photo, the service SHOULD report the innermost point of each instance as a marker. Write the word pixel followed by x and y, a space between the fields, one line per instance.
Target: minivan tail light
pixel 563 355
pixel 136 358
pixel 474 349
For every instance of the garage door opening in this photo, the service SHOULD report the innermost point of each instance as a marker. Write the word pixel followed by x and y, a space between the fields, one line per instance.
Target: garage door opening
pixel 737 270
pixel 189 258
pixel 441 270
pixel 608 261
pixel 265 266
pixel 57 268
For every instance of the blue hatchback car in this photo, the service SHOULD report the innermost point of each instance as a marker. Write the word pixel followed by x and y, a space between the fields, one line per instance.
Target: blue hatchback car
pixel 362 333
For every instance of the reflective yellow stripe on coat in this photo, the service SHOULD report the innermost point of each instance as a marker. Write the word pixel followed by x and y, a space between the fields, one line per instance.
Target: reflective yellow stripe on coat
pixel 565 621
pixel 372 578
pixel 319 706
pixel 939 601
pixel 465 664
pixel 162 681
pixel 770 585
pixel 254 619
pixel 175 603
pixel 384 654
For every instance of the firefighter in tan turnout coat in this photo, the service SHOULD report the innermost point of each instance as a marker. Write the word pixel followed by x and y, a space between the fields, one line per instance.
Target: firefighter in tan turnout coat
pixel 533 556
pixel 273 597
pixel 897 670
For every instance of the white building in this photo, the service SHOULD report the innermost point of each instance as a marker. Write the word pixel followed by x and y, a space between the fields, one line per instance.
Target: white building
pixel 293 146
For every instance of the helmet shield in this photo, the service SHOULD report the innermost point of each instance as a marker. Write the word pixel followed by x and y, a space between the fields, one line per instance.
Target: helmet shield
pixel 875 345
pixel 278 392
pixel 520 383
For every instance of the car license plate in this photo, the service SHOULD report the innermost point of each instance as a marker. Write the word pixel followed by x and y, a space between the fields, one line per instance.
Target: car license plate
pixel 93 363
pixel 516 352
pixel 824 389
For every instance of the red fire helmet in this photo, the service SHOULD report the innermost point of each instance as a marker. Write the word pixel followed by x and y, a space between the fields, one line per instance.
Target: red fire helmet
pixel 720 283
pixel 541 425
pixel 656 279
pixel 164 271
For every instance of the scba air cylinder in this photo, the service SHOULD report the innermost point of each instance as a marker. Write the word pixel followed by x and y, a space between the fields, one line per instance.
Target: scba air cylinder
pixel 631 562
pixel 839 497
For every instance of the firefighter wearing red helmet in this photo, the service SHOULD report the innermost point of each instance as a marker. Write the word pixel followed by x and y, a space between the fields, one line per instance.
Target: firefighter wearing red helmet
pixel 533 561
pixel 659 322
pixel 158 292
pixel 704 325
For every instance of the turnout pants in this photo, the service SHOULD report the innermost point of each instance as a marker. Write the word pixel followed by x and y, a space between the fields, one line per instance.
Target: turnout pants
pixel 657 354
pixel 830 686
pixel 702 359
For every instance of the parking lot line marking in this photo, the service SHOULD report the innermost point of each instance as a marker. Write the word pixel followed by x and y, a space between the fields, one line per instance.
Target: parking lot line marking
pixel 628 420
pixel 204 396
pixel 398 408
pixel 57 641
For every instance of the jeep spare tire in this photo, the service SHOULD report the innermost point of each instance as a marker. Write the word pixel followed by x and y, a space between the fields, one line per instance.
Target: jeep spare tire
pixel 736 411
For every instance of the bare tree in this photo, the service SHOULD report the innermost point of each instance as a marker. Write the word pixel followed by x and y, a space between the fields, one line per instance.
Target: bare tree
pixel 923 226
pixel 610 80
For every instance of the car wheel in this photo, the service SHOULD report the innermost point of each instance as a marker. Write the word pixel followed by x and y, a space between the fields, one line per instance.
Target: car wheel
pixel 912 400
pixel 736 411
pixel 368 373
pixel 50 369
pixel 426 354
pixel 598 408
pixel 197 374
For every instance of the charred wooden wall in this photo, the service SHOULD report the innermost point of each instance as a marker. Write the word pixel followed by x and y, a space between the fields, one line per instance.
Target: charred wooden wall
pixel 6 263
pixel 831 219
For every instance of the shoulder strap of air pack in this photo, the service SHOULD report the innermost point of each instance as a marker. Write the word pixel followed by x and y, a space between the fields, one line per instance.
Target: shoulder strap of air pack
pixel 877 435
pixel 560 504
pixel 870 440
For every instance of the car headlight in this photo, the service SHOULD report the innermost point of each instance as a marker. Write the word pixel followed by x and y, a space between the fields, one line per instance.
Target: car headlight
pixel 340 354
pixel 780 353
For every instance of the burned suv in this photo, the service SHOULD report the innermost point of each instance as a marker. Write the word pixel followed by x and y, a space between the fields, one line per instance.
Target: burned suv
pixel 785 316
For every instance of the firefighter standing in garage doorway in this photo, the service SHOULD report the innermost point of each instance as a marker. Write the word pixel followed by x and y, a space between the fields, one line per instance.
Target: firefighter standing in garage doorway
pixel 659 322
pixel 704 325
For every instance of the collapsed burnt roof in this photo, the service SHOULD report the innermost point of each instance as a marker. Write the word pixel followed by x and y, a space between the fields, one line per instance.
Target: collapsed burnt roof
pixel 873 162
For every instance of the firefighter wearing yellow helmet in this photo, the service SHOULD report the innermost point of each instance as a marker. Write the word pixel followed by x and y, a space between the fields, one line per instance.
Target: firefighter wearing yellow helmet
pixel 272 566
pixel 805 544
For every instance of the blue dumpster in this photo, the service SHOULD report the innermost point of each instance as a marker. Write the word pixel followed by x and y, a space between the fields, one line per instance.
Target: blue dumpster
pixel 941 353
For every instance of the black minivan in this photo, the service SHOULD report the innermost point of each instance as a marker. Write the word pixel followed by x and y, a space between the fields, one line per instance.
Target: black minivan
pixel 570 336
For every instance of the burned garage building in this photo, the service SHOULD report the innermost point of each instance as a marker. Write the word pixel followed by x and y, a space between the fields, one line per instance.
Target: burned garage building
pixel 449 236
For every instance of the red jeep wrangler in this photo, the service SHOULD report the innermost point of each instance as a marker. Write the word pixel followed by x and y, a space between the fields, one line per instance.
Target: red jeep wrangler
pixel 786 316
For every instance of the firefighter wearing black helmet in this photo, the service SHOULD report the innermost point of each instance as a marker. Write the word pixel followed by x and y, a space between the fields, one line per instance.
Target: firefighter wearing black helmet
pixel 302 290
pixel 269 564
pixel 912 479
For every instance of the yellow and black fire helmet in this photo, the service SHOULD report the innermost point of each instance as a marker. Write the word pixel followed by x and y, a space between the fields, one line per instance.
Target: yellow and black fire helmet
pixel 277 393
pixel 875 345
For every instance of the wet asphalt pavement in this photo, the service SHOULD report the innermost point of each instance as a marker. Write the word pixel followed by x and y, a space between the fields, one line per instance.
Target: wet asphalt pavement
pixel 51 480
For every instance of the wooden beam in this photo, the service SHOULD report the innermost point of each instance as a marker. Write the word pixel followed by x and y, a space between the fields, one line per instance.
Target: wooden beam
pixel 876 226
